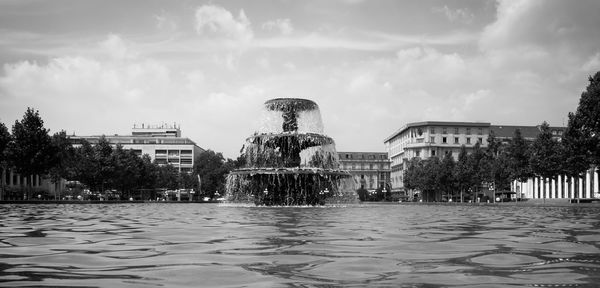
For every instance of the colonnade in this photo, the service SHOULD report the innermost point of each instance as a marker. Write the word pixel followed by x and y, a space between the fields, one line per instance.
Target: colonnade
pixel 560 188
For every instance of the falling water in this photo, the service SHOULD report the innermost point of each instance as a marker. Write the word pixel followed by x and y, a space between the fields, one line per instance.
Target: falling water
pixel 289 161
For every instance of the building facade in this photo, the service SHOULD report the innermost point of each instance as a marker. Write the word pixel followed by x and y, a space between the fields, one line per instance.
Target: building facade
pixel 163 143
pixel 437 138
pixel 15 187
pixel 431 139
pixel 371 170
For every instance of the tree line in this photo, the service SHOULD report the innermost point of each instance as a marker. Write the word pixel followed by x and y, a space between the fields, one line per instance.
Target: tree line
pixel 30 150
pixel 546 157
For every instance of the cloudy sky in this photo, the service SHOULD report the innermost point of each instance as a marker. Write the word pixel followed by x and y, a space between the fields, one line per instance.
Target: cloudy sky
pixel 98 67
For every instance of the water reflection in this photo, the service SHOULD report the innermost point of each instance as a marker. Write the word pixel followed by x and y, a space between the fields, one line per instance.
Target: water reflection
pixel 183 245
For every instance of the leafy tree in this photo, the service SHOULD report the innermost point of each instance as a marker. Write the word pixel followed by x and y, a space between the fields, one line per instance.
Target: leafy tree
pixel 518 158
pixel 463 172
pixel 587 118
pixel 429 179
pixel 446 176
pixel 104 164
pixel 575 161
pixel 30 152
pixel 479 166
pixel 5 138
pixel 167 177
pixel 412 174
pixel 545 158
pixel 63 157
pixel 212 169
pixel 127 170
pixel 85 166
pixel 497 164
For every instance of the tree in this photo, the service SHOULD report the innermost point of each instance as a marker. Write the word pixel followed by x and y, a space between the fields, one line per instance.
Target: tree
pixel 479 168
pixel 463 171
pixel 167 177
pixel 497 164
pixel 545 157
pixel 518 158
pixel 429 183
pixel 445 176
pixel 412 175
pixel 575 161
pixel 212 169
pixel 5 138
pixel 30 152
pixel 104 164
pixel 587 118
pixel 63 157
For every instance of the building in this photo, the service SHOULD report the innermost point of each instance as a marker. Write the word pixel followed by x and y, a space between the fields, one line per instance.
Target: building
pixel 15 187
pixel 430 139
pixel 163 143
pixel 437 138
pixel 505 133
pixel 371 170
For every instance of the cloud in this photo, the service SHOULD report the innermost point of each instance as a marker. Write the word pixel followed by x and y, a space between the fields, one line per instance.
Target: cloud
pixel 284 26
pixel 117 48
pixel 462 15
pixel 216 21
pixel 551 25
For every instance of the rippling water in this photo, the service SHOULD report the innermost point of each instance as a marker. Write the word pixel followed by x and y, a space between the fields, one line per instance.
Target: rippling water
pixel 205 245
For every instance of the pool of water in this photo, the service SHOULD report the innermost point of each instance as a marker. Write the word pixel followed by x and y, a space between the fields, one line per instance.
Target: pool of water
pixel 210 245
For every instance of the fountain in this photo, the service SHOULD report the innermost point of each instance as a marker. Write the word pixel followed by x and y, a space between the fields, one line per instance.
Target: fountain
pixel 289 161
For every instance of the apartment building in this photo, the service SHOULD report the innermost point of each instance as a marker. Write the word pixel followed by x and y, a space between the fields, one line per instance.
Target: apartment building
pixel 163 143
pixel 431 139
pixel 371 170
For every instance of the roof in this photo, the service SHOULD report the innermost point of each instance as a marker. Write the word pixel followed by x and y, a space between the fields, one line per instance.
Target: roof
pixel 528 132
pixel 133 139
pixel 436 123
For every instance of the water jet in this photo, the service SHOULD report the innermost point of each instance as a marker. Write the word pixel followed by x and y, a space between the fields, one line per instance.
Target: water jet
pixel 290 161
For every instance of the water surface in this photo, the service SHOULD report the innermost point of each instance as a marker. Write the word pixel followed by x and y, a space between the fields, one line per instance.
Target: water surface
pixel 206 245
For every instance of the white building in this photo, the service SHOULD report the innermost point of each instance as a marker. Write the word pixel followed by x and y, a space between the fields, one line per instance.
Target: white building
pixel 163 143
pixel 431 139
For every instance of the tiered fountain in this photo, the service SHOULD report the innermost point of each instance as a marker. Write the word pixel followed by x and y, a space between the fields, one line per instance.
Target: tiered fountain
pixel 290 161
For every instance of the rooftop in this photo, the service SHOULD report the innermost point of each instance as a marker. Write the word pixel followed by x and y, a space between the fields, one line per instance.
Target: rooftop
pixel 436 123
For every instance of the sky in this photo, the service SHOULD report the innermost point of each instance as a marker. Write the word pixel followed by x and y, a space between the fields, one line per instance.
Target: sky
pixel 98 67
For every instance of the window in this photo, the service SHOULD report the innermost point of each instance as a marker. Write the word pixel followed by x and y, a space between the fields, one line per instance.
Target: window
pixel 432 139
pixel 468 140
pixel 418 153
pixel 444 140
pixel 432 130
pixel 370 166
pixel 432 152
pixel 444 130
pixel 455 140
pixel 480 132
pixel 456 130
pixel 468 131
pixel 480 140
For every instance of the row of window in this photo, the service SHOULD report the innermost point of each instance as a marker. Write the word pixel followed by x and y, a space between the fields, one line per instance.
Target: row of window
pixel 370 156
pixel 164 161
pixel 456 140
pixel 348 166
pixel 432 130
pixel 172 153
